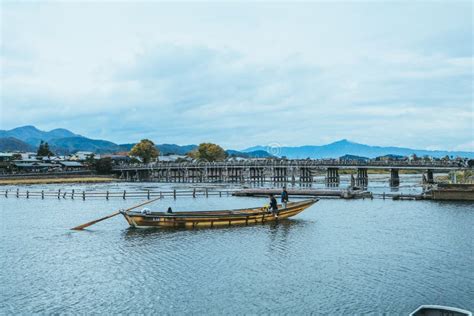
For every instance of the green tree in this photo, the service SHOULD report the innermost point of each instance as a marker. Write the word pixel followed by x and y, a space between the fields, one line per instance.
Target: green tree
pixel 208 152
pixel 145 150
pixel 103 165
pixel 90 160
pixel 43 150
pixel 134 160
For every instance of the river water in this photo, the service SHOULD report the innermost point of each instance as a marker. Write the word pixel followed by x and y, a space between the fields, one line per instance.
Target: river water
pixel 338 257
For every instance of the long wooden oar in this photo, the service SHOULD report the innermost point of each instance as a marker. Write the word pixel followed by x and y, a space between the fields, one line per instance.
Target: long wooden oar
pixel 81 227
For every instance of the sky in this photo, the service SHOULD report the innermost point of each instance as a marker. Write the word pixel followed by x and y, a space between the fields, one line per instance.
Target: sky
pixel 394 73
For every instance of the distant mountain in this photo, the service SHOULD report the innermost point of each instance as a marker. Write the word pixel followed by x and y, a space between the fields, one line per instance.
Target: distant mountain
pixel 166 149
pixel 27 138
pixel 345 147
pixel 260 154
pixel 31 135
pixel 126 147
pixel 61 141
pixel 13 144
pixel 353 158
pixel 72 144
pixel 250 154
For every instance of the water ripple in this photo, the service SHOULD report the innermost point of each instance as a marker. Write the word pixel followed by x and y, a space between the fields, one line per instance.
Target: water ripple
pixel 339 257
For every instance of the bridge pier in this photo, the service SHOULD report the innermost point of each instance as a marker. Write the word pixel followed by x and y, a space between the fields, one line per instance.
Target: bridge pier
pixel 196 175
pixel 186 175
pixel 261 174
pixel 210 174
pixel 235 174
pixel 453 177
pixel 279 174
pixel 239 174
pixel 305 175
pixel 394 178
pixel 362 179
pixel 332 177
pixel 429 176
pixel 293 176
pixel 256 174
pixel 207 174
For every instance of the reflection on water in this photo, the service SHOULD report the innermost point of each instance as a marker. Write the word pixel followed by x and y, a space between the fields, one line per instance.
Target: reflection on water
pixel 337 257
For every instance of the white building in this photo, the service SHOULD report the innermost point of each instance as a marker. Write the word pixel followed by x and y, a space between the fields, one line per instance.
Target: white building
pixel 83 155
pixel 172 158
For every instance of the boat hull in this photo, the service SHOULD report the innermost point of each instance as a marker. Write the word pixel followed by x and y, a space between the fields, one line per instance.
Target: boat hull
pixel 439 310
pixel 213 218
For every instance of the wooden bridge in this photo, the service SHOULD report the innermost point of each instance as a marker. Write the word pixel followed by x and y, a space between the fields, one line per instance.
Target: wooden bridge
pixel 276 171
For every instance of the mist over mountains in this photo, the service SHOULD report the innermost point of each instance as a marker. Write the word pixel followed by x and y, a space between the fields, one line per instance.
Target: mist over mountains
pixel 63 141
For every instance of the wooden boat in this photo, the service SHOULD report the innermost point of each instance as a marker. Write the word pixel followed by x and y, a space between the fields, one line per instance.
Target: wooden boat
pixel 148 219
pixel 438 310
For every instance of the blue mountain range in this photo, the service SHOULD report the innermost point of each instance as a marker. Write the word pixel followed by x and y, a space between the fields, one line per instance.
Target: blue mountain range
pixel 346 147
pixel 64 141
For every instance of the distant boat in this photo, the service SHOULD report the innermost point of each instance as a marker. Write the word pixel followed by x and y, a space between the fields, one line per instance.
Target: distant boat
pixel 438 310
pixel 147 219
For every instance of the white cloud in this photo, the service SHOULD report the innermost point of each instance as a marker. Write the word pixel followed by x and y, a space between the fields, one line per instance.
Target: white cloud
pixel 241 74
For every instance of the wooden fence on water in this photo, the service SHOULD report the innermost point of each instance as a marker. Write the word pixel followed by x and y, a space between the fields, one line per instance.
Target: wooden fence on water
pixel 194 193
pixel 147 194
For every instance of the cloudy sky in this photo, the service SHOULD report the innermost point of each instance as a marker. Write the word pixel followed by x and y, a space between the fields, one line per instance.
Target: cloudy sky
pixel 242 74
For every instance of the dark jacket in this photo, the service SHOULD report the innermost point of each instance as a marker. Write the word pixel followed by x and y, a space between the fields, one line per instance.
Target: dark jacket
pixel 273 204
pixel 284 196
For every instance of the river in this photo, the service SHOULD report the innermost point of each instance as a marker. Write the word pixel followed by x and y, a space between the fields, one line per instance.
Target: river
pixel 338 257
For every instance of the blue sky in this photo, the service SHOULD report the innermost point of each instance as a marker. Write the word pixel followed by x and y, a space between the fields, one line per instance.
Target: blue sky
pixel 242 74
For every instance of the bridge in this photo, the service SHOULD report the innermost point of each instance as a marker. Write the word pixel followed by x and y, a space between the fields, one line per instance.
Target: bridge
pixel 278 170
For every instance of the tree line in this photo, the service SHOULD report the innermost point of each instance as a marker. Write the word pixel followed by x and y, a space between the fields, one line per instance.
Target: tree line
pixel 147 152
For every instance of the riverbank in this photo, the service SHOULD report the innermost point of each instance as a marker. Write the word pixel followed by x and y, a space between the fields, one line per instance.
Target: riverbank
pixel 58 180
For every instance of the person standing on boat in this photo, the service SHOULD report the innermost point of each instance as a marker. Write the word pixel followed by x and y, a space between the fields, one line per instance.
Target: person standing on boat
pixel 273 206
pixel 284 197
